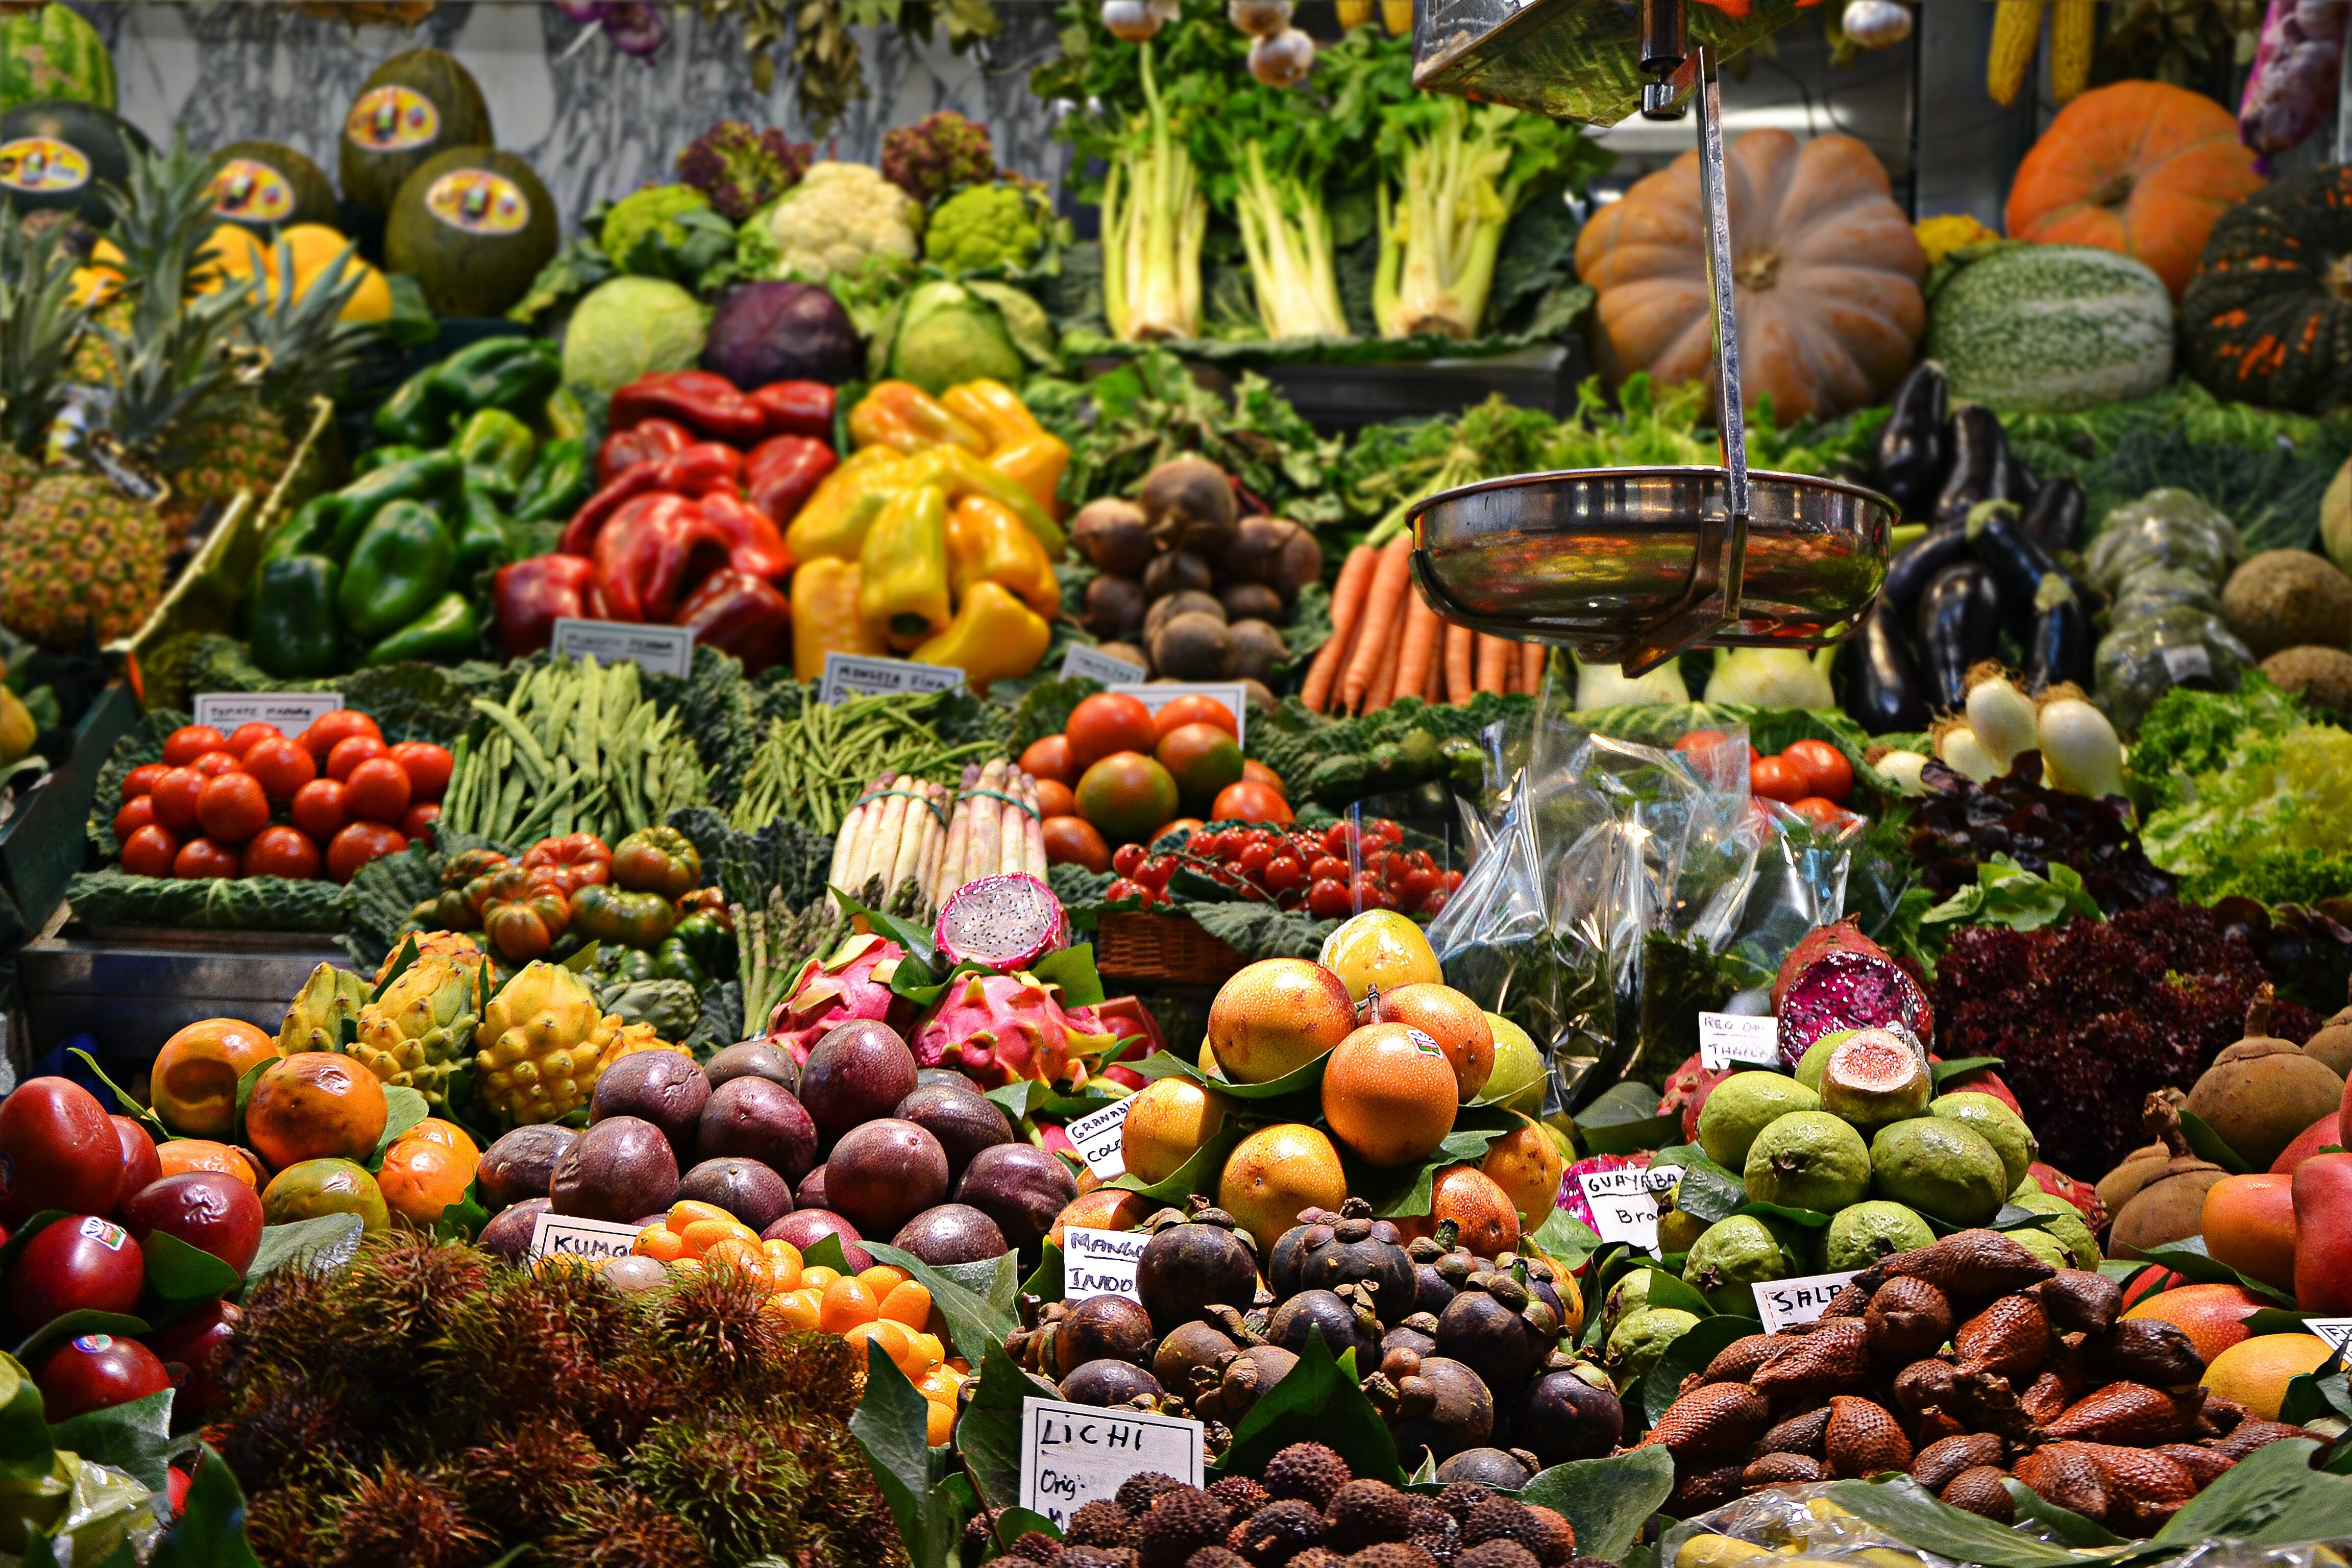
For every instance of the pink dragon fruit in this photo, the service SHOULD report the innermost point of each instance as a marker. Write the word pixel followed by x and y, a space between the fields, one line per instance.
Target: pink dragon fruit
pixel 1837 978
pixel 855 983
pixel 1002 1028
pixel 2082 1195
pixel 1979 1080
pixel 1686 1091
pixel 1121 1019
pixel 1005 922
pixel 1571 1191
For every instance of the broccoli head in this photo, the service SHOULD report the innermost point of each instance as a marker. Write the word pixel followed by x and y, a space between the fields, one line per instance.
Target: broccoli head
pixel 652 211
pixel 741 169
pixel 937 153
pixel 981 226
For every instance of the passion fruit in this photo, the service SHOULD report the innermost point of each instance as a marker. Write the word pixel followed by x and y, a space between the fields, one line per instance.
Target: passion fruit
pixel 1276 1016
pixel 1390 1094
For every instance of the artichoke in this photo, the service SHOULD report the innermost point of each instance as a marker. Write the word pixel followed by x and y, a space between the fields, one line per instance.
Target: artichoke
pixel 418 1032
pixel 543 1045
pixel 670 1005
pixel 315 1021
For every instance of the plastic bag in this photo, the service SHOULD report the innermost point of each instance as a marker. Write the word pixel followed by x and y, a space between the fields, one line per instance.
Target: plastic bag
pixel 2138 663
pixel 2164 527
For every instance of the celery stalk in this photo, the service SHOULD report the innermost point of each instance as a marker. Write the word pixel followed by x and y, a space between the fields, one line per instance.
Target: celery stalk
pixel 1154 217
pixel 1287 238
pixel 1442 229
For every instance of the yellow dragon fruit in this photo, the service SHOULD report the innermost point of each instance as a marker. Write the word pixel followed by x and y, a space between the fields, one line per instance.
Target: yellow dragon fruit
pixel 458 947
pixel 545 1044
pixel 637 1037
pixel 418 1032
pixel 315 1020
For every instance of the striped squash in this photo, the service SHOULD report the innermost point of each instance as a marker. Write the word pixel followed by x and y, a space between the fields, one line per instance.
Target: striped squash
pixel 2049 329
pixel 2268 317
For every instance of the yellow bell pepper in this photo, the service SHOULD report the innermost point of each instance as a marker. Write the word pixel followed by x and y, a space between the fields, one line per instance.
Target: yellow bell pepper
pixel 904 599
pixel 833 519
pixel 1036 465
pixel 901 415
pixel 995 636
pixel 825 617
pixel 986 544
pixel 994 410
pixel 962 474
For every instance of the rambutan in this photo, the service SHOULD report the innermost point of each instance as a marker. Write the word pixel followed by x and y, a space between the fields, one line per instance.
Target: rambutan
pixel 622 1530
pixel 412 1518
pixel 277 1525
pixel 514 1352
pixel 734 1477
pixel 525 1479
pixel 277 1439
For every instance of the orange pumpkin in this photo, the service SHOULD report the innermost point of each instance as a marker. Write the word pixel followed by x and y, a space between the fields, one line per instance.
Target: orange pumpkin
pixel 2140 167
pixel 1825 266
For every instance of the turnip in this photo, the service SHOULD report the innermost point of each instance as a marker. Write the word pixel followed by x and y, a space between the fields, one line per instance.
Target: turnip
pixel 2080 751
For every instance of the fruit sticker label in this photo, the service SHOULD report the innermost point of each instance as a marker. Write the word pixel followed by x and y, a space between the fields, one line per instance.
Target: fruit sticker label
pixel 849 675
pixel 475 201
pixel 590 1240
pixel 1423 1044
pixel 1101 1139
pixel 1099 1262
pixel 105 1232
pixel 1731 1040
pixel 251 191
pixel 393 119
pixel 1072 1454
pixel 42 165
pixel 91 1344
pixel 1786 1303
pixel 1625 1203
pixel 291 712
pixel 1096 664
pixel 2336 1332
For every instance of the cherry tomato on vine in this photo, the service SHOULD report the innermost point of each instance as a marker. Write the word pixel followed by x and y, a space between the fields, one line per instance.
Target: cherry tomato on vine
pixel 1327 899
pixel 1126 859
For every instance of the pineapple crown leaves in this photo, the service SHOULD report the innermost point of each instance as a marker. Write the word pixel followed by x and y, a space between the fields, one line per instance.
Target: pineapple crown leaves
pixel 309 349
pixel 39 325
pixel 172 373
pixel 162 214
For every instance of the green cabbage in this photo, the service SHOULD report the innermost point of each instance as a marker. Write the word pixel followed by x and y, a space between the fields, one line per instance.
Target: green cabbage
pixel 631 326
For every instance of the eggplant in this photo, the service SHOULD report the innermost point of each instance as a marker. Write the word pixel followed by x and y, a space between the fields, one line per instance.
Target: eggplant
pixel 1910 454
pixel 2055 518
pixel 1883 690
pixel 1959 620
pixel 1976 464
pixel 2019 565
pixel 2060 646
pixel 1916 565
pixel 2021 485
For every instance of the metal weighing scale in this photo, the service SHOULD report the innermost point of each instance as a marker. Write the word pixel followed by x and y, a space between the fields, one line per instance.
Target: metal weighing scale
pixel 1632 566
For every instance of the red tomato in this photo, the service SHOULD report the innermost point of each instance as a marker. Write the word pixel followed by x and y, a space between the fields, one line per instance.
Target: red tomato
pixel 427 766
pixel 1106 722
pixel 136 813
pixel 1819 810
pixel 1698 739
pixel 418 818
pixel 328 729
pixel 141 779
pixel 148 851
pixel 1824 767
pixel 1055 799
pixel 1196 711
pixel 319 809
pixel 1777 778
pixel 175 795
pixel 232 808
pixel 201 857
pixel 349 752
pixel 1126 859
pixel 1249 801
pixel 245 737
pixel 282 851
pixel 376 789
pixel 1075 840
pixel 1284 872
pixel 189 741
pixel 212 764
pixel 1327 899
pixel 1050 759
pixel 360 843
pixel 281 766
pixel 1255 770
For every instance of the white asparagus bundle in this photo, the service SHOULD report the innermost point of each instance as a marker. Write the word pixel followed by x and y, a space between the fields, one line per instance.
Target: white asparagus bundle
pixel 847 844
pixel 948 874
pixel 985 844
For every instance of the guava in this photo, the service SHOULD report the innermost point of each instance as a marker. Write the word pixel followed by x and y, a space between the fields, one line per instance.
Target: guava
pixel 1630 1295
pixel 629 327
pixel 2066 1226
pixel 1808 1160
pixel 1516 1081
pixel 1677 1230
pixel 2045 1247
pixel 1861 1235
pixel 1817 1056
pixel 1742 1106
pixel 1939 1167
pixel 1875 1077
pixel 1997 1125
pixel 1637 1344
pixel 2032 1184
pixel 1734 1254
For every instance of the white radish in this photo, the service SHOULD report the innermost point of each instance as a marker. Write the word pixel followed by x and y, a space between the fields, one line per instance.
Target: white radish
pixel 2001 717
pixel 2080 750
pixel 1959 749
pixel 1901 769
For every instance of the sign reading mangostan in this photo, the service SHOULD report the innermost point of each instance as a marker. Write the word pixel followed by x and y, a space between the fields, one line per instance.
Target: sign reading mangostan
pixel 1625 1203
pixel 1100 1262
pixel 591 1240
pixel 1072 1454
pixel 1786 1303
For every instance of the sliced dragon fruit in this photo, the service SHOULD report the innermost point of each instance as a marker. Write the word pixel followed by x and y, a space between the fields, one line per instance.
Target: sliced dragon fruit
pixel 1002 1028
pixel 1686 1090
pixel 1846 988
pixel 1838 936
pixel 854 983
pixel 1005 922
pixel 1571 1191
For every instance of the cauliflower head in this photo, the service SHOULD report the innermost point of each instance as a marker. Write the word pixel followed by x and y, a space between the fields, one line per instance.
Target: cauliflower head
pixel 654 210
pixel 838 219
pixel 983 226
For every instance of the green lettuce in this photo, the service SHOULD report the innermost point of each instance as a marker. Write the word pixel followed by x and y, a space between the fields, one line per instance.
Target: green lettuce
pixel 2288 789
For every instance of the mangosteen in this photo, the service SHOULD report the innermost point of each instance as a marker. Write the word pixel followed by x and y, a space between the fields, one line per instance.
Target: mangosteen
pixel 754 1059
pixel 1245 1381
pixel 1176 571
pixel 1111 533
pixel 1188 504
pixel 517 1167
pixel 745 1188
pixel 1484 1468
pixel 1189 1348
pixel 1282 1262
pixel 1429 1290
pixel 1565 1416
pixel 1493 1327
pixel 1411 1335
pixel 1108 1382
pixel 1297 1320
pixel 1114 608
pixel 962 1121
pixel 1361 1251
pixel 1189 1265
pixel 1102 1328
pixel 950 1232
pixel 1020 1186
pixel 1444 1408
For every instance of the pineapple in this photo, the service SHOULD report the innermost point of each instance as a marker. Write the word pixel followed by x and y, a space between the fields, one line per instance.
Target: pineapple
pixel 161 218
pixel 39 324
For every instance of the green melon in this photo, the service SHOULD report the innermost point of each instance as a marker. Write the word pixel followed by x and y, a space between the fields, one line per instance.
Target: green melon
pixel 475 226
pixel 61 153
pixel 52 53
pixel 267 185
pixel 415 106
pixel 2050 329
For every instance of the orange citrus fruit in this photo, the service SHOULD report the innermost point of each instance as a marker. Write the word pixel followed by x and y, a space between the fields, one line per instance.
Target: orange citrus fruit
pixel 801 1309
pixel 909 1302
pixel 845 1304
pixel 939 1421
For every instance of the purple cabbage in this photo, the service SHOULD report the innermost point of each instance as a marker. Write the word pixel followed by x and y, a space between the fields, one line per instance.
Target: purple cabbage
pixel 765 332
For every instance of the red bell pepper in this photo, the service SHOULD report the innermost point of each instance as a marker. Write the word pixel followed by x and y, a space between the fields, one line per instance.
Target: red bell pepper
pixel 694 472
pixel 784 471
pixel 754 546
pixel 705 466
pixel 705 404
pixel 742 614
pixel 797 408
pixel 654 550
pixel 649 439
pixel 533 595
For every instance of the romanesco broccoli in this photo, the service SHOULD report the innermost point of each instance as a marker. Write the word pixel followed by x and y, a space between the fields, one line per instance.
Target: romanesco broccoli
pixel 982 226
pixel 654 210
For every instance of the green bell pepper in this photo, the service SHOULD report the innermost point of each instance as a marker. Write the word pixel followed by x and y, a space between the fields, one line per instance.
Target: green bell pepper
pixel 447 632
pixel 673 961
pixel 309 532
pixel 566 419
pixel 435 477
pixel 497 449
pixel 397 568
pixel 292 618
pixel 558 483
pixel 708 938
pixel 375 458
pixel 512 373
pixel 418 414
pixel 481 531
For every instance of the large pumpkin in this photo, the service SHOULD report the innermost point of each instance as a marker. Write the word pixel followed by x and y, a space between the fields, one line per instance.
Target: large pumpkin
pixel 2269 314
pixel 2140 167
pixel 1825 266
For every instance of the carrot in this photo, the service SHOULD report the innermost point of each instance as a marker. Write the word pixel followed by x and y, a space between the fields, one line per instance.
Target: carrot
pixel 1433 693
pixel 1417 651
pixel 1384 610
pixel 1532 659
pixel 1384 689
pixel 1494 664
pixel 1459 684
pixel 1347 610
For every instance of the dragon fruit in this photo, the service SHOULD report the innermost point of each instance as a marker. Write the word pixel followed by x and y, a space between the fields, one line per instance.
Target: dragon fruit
pixel 1004 923
pixel 855 983
pixel 2059 1185
pixel 1837 978
pixel 1121 1019
pixel 1686 1091
pixel 1979 1081
pixel 1571 1191
pixel 1002 1028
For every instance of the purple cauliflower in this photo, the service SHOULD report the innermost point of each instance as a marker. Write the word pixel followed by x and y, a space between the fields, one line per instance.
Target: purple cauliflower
pixel 940 153
pixel 741 169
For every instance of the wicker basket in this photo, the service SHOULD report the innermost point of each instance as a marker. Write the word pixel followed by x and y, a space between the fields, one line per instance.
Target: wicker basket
pixel 1170 948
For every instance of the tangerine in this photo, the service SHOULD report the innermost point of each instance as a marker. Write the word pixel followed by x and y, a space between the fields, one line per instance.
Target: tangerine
pixel 1167 1124
pixel 845 1304
pixel 1274 1016
pixel 1454 1022
pixel 194 1082
pixel 783 1264
pixel 799 1308
pixel 177 1156
pixel 316 1105
pixel 909 1303
pixel 1277 1170
pixel 1390 1094
pixel 938 1422
pixel 420 1178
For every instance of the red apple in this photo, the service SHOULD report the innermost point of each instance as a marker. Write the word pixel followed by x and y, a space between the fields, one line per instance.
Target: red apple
pixel 190 1348
pixel 78 1261
pixel 92 1372
pixel 211 1212
pixel 140 1164
pixel 57 1151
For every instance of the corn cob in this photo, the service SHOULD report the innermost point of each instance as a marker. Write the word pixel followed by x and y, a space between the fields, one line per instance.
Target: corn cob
pixel 2016 31
pixel 2073 24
